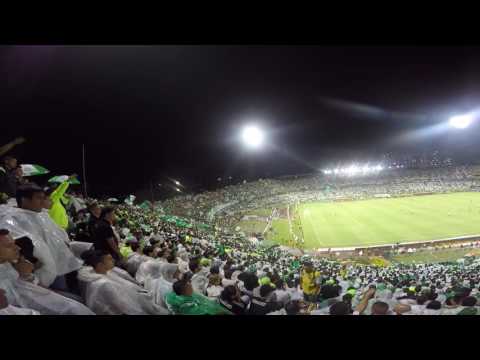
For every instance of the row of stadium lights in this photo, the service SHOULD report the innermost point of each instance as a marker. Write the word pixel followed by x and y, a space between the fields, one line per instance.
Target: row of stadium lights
pixel 358 170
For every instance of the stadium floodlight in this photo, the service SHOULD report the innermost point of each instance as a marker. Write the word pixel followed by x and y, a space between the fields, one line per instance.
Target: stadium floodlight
pixel 252 136
pixel 461 121
pixel 178 189
pixel 177 182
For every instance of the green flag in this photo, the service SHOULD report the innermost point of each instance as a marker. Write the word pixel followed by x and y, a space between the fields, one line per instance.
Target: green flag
pixel 33 170
pixel 63 178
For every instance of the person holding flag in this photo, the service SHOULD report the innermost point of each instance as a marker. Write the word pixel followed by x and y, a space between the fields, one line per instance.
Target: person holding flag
pixel 56 210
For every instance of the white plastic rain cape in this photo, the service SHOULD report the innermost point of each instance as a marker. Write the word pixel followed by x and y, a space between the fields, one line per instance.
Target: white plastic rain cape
pixel 49 241
pixel 160 287
pixel 134 260
pixel 150 268
pixel 112 294
pixel 13 310
pixel 28 295
pixel 79 247
pixel 200 281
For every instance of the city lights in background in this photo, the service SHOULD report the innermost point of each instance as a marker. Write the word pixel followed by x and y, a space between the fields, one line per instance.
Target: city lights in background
pixel 354 170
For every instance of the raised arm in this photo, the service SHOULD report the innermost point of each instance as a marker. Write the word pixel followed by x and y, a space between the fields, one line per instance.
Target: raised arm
pixel 360 308
pixel 59 191
pixel 62 188
pixel 7 147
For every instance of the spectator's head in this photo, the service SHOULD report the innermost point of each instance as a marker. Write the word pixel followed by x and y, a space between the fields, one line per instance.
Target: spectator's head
pixel 149 251
pixel 340 308
pixel 19 172
pixel 230 293
pixel 469 301
pixel 266 290
pixel 347 298
pixel 30 197
pixel 279 283
pixel 108 214
pixel 215 270
pixel 228 274
pixel 215 280
pixel 434 305
pixel 422 299
pixel 101 261
pixel 94 209
pixel 24 267
pixel 194 265
pixel 134 245
pixel 250 281
pixel 401 309
pixel 308 266
pixel 292 308
pixel 9 251
pixel 330 291
pixel 379 308
pixel 171 258
pixel 9 162
pixel 183 288
pixel 26 248
pixel 47 201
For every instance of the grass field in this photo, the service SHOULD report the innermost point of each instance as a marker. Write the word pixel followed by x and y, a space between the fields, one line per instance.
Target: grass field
pixel 387 221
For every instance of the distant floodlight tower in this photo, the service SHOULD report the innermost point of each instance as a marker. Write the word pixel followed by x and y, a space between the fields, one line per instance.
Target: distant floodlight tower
pixel 461 121
pixel 252 136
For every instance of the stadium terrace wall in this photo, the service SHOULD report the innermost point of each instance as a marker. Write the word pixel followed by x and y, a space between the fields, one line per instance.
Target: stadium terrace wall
pixel 380 250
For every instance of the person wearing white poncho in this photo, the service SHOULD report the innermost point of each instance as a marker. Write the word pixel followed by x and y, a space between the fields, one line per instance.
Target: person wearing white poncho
pixel 135 259
pixel 112 292
pixel 50 242
pixel 160 287
pixel 7 309
pixel 149 268
pixel 27 295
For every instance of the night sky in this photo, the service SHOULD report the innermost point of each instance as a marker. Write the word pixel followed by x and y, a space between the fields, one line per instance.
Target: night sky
pixel 146 112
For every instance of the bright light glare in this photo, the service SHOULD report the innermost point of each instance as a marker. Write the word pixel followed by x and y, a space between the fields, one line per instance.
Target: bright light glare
pixel 178 189
pixel 252 136
pixel 177 182
pixel 461 121
pixel 354 170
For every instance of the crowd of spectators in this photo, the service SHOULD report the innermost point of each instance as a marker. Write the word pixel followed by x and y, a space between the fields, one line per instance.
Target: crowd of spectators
pixel 63 254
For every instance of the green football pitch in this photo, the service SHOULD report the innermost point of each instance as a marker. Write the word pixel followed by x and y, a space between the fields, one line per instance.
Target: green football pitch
pixel 388 221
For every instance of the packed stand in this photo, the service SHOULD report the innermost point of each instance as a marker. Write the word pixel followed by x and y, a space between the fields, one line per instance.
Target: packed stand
pixel 63 254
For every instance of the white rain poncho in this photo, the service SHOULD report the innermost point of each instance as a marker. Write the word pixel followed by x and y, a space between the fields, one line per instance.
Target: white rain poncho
pixel 149 269
pixel 49 241
pixel 111 294
pixel 28 295
pixel 79 247
pixel 200 281
pixel 13 310
pixel 162 286
pixel 78 203
pixel 133 262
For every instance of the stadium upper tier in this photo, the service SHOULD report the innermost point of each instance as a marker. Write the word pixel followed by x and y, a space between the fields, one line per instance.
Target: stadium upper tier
pixel 234 199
